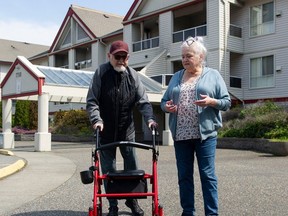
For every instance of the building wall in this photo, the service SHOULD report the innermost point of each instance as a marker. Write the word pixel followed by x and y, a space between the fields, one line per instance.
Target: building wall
pixel 271 44
pixel 152 6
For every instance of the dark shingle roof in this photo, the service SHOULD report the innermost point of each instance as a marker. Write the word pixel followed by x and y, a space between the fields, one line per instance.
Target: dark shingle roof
pixel 9 50
pixel 99 22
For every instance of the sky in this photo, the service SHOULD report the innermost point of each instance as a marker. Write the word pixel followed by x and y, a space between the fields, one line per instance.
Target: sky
pixel 38 21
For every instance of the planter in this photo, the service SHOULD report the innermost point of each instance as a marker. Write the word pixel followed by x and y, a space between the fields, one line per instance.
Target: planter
pixel 260 145
pixel 55 138
pixel 24 137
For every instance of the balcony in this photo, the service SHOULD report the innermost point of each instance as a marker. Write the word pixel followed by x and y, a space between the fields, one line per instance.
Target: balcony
pixel 64 66
pixel 163 79
pixel 83 64
pixel 235 31
pixel 145 44
pixel 235 82
pixel 235 40
pixel 191 32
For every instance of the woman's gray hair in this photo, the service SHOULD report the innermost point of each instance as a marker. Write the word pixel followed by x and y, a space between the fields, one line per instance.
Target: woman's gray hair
pixel 198 46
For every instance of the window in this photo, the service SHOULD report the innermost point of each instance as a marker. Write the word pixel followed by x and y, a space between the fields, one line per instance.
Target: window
pixel 67 39
pixel 80 33
pixel 262 72
pixel 262 19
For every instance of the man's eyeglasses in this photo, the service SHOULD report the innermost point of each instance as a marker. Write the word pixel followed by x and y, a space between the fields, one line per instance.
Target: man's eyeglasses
pixel 119 57
pixel 190 41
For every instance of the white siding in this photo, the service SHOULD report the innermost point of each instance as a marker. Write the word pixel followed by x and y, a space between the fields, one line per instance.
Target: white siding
pixel 159 66
pixel 272 44
pixel 127 35
pixel 165 29
pixel 152 6
pixel 220 14
pixel 141 58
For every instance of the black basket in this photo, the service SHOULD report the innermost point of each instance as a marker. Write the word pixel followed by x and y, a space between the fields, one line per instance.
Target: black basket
pixel 86 176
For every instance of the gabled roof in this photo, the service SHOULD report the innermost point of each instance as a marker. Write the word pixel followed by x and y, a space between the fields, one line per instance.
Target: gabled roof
pixel 95 23
pixel 99 22
pixel 9 50
pixel 140 9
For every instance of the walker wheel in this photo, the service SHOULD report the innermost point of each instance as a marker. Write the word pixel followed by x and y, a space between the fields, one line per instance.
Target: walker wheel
pixel 160 210
pixel 99 210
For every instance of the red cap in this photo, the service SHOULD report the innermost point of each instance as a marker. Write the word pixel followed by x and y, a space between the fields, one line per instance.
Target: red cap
pixel 119 46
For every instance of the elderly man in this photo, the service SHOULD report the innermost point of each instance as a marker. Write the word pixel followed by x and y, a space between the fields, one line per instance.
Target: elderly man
pixel 114 90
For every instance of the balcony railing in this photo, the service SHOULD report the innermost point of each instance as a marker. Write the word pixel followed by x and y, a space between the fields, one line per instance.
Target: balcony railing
pixel 65 66
pixel 163 79
pixel 235 31
pixel 145 44
pixel 235 82
pixel 191 32
pixel 83 64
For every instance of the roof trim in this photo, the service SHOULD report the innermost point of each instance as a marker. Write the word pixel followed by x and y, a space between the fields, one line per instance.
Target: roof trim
pixel 133 6
pixel 34 72
pixel 70 14
pixel 128 18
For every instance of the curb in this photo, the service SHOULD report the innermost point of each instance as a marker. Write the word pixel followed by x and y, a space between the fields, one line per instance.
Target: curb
pixel 12 168
pixel 6 152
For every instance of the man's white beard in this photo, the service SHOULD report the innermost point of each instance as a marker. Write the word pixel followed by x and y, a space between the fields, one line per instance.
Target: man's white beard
pixel 120 68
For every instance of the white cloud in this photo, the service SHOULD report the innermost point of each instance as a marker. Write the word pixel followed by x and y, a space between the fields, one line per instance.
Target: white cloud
pixel 36 33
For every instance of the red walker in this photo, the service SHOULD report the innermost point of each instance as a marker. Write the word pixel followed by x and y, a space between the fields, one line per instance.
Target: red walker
pixel 123 184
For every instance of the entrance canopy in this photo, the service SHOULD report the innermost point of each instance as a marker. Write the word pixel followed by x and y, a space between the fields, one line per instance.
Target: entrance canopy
pixel 25 81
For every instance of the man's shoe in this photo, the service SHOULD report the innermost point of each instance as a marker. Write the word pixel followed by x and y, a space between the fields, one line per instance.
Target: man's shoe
pixel 113 211
pixel 135 208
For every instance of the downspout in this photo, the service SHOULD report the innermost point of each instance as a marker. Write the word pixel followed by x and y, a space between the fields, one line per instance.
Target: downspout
pixel 225 39
pixel 225 49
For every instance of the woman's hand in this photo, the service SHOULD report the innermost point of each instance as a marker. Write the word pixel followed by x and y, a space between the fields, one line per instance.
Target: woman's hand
pixel 170 106
pixel 205 101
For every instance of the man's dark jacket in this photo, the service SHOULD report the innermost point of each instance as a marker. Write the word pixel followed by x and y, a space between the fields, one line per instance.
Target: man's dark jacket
pixel 111 98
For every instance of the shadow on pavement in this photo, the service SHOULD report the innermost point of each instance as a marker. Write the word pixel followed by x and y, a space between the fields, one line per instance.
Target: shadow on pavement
pixel 63 213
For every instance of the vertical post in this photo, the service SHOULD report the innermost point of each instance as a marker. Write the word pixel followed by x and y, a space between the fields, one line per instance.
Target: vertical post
pixel 167 137
pixel 7 139
pixel 43 137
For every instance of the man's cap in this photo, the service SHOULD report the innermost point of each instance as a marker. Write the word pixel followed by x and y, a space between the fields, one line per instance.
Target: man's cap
pixel 119 46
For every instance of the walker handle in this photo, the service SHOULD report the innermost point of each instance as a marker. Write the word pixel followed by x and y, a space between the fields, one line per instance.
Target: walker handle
pixel 97 136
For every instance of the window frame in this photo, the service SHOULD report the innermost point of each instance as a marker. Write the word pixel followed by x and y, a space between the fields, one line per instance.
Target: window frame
pixel 262 72
pixel 261 25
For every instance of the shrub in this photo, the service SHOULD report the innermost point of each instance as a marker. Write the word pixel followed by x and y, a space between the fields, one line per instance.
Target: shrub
pixel 26 115
pixel 261 120
pixel 74 122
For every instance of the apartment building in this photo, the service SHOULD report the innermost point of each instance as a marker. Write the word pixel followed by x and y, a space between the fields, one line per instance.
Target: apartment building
pixel 246 42
pixel 245 39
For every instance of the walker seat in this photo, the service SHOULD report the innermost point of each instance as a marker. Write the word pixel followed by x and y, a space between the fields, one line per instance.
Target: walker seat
pixel 126 181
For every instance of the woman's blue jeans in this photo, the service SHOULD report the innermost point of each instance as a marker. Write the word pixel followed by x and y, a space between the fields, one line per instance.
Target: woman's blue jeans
pixel 205 154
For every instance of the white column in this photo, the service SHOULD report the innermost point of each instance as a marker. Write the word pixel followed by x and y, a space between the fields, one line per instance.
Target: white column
pixel 43 137
pixel 7 137
pixel 167 137
pixel 72 58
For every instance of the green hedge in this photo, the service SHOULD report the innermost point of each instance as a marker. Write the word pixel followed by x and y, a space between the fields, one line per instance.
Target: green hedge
pixel 74 122
pixel 260 120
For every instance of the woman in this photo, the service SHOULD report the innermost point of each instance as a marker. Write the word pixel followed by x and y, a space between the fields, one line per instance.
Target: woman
pixel 194 98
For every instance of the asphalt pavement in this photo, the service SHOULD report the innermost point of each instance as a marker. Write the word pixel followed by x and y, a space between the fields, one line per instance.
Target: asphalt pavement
pixel 250 183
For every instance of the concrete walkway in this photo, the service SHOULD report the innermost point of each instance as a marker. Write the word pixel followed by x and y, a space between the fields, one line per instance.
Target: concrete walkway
pixel 57 171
